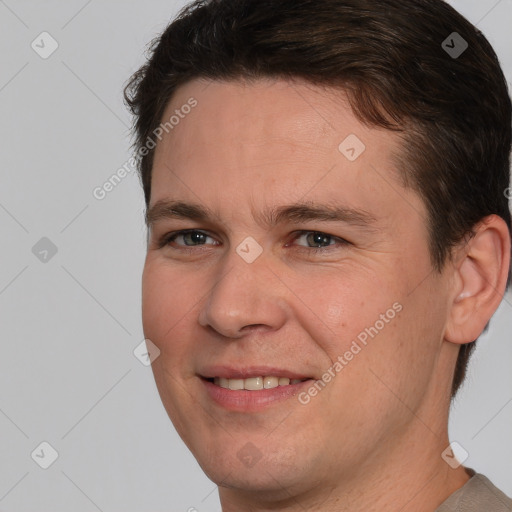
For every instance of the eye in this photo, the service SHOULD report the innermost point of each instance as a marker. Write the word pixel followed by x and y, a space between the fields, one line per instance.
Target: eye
pixel 319 240
pixel 315 241
pixel 191 238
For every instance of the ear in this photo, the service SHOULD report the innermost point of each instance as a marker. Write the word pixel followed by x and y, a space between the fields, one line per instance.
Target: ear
pixel 480 279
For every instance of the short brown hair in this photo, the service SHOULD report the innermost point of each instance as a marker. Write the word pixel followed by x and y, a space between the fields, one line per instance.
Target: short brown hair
pixel 453 112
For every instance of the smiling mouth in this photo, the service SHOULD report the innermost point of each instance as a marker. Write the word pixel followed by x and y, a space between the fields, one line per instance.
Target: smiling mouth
pixel 254 383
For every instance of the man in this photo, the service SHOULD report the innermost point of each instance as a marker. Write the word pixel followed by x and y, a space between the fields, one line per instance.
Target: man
pixel 329 233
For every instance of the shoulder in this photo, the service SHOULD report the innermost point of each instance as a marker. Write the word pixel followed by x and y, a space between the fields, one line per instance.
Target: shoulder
pixel 479 493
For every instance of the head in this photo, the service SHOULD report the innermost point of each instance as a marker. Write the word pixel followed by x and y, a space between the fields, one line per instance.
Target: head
pixel 351 122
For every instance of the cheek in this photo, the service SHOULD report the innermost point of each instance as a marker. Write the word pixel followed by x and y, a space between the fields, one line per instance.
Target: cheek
pixel 396 364
pixel 165 305
pixel 343 306
pixel 376 325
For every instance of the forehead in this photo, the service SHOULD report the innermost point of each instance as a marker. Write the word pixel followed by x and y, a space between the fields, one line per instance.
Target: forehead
pixel 293 116
pixel 273 141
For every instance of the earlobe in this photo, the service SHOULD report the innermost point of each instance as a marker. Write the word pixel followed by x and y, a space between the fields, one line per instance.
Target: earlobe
pixel 480 280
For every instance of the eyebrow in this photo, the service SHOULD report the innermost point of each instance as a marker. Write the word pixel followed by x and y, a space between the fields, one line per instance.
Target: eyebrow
pixel 292 213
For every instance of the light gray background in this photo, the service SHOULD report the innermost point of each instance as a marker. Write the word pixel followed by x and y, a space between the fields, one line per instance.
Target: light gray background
pixel 69 326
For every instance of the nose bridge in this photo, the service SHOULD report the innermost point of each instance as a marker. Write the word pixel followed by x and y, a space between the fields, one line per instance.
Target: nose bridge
pixel 246 294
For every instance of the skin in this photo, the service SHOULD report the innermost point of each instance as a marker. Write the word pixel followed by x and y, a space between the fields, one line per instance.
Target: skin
pixel 372 438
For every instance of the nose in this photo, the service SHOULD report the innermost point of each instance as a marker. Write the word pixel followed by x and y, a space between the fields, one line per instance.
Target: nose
pixel 247 297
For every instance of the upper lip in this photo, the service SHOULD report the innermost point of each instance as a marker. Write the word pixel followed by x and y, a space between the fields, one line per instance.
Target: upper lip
pixel 246 372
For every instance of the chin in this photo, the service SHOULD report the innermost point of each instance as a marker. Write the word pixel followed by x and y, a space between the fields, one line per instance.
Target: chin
pixel 273 483
pixel 247 469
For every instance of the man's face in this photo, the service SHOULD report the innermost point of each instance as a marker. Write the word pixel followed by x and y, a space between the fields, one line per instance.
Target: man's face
pixel 250 295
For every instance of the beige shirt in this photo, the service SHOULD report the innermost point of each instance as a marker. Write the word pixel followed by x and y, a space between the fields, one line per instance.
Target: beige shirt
pixel 477 495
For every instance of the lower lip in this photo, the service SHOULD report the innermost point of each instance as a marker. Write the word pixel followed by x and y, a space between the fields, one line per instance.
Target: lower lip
pixel 247 401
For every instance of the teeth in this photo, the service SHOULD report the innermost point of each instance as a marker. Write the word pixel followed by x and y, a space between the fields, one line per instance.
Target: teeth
pixel 270 382
pixel 236 384
pixel 254 383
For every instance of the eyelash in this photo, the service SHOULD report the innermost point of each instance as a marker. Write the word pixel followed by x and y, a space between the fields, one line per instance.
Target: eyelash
pixel 170 237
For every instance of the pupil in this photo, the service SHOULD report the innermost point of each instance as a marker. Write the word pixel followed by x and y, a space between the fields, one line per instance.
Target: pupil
pixel 195 237
pixel 320 239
